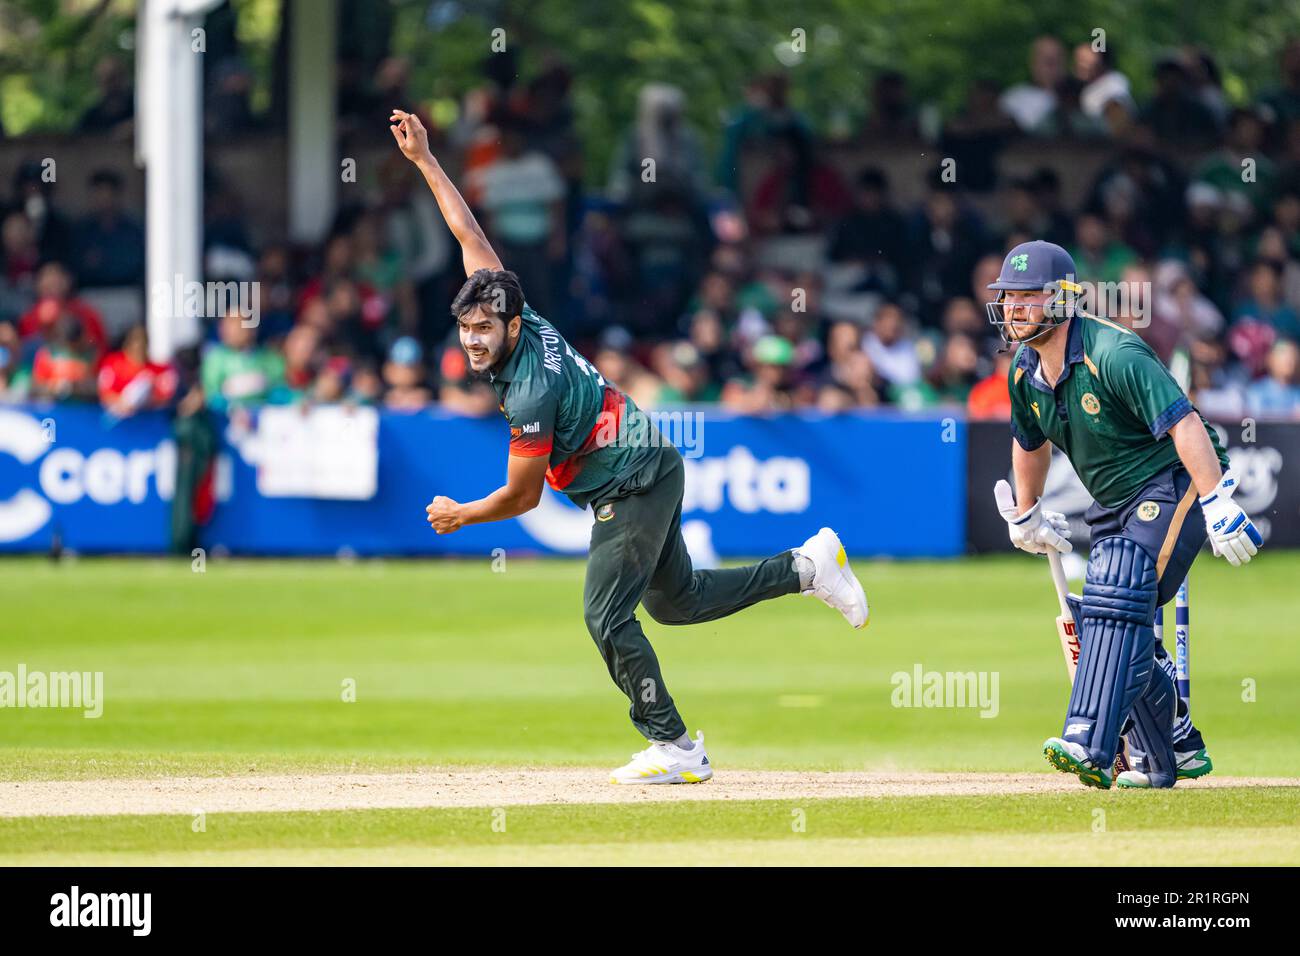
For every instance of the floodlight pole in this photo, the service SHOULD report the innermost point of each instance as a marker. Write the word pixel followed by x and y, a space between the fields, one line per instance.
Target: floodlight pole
pixel 313 167
pixel 169 145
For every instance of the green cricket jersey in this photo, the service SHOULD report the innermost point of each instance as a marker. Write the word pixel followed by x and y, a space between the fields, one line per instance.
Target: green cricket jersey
pixel 558 405
pixel 233 377
pixel 1110 412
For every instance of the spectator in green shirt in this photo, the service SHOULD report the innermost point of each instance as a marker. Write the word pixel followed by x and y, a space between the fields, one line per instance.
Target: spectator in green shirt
pixel 1099 256
pixel 685 374
pixel 237 373
pixel 1223 168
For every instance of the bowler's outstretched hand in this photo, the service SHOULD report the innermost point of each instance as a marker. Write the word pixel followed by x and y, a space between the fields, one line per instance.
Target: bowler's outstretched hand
pixel 412 138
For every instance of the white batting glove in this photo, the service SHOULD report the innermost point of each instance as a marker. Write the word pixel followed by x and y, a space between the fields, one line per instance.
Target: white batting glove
pixel 1232 534
pixel 1036 531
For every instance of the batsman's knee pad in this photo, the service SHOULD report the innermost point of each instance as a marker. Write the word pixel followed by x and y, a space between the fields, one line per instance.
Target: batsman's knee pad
pixel 1076 611
pixel 1121 584
pixel 1117 644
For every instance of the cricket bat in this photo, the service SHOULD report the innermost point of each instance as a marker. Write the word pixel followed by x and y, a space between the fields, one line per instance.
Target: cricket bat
pixel 1069 635
pixel 1065 627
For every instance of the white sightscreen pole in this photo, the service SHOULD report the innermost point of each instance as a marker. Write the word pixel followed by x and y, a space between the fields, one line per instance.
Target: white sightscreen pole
pixel 169 143
pixel 313 161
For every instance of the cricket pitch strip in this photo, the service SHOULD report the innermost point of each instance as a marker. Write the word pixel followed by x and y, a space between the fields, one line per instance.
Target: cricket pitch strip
pixel 512 786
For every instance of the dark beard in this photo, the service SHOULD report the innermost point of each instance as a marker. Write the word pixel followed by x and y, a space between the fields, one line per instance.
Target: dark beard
pixel 492 368
pixel 499 362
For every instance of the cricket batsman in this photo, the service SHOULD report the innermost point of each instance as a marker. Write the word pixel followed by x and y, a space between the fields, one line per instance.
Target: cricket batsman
pixel 573 430
pixel 1160 485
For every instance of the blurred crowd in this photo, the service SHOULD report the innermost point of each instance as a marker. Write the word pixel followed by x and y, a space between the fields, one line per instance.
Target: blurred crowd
pixel 768 276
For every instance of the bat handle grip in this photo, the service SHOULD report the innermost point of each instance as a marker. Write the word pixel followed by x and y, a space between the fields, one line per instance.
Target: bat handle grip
pixel 1058 578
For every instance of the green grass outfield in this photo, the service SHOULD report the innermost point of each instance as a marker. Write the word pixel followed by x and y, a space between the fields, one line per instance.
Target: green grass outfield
pixel 1113 829
pixel 244 668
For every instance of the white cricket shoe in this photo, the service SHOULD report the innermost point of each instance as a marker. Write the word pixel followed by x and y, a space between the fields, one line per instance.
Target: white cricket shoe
pixel 663 762
pixel 833 580
pixel 1190 763
pixel 1139 780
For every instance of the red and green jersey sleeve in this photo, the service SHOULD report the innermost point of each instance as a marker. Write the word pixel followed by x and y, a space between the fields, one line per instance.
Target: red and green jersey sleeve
pixel 559 406
pixel 531 408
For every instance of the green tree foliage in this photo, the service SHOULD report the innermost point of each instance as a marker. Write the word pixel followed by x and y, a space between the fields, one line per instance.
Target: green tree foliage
pixel 48 52
pixel 48 49
pixel 711 47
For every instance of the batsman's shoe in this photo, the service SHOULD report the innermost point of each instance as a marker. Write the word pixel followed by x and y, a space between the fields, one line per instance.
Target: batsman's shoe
pixel 833 581
pixel 1138 780
pixel 1193 763
pixel 666 763
pixel 1069 757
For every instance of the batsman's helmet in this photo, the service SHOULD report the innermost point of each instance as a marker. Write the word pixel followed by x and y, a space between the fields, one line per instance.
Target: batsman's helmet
pixel 1035 266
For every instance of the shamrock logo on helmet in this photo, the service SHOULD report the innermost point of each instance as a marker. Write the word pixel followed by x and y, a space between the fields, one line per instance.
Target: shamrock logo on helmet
pixel 1021 262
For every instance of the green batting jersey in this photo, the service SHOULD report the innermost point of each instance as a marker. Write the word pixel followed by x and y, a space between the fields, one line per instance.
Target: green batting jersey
pixel 560 406
pixel 1110 412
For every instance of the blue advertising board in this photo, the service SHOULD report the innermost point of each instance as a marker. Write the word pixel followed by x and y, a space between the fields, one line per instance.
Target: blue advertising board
pixel 68 473
pixel 889 484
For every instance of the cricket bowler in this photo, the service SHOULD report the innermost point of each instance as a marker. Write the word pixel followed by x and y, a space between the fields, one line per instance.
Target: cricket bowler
pixel 1160 485
pixel 571 429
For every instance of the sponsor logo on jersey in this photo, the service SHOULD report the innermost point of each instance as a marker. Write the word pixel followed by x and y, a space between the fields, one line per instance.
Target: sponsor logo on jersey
pixel 605 512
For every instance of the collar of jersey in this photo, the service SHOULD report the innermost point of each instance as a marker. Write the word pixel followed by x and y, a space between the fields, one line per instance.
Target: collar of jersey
pixel 507 372
pixel 1028 359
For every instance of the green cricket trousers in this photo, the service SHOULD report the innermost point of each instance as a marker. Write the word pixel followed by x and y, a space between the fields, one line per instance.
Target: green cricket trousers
pixel 638 556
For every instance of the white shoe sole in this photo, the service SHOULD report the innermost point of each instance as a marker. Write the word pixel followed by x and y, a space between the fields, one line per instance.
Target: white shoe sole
pixel 847 571
pixel 835 547
pixel 699 775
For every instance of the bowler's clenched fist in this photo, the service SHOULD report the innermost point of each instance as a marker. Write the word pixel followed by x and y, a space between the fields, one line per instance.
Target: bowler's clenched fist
pixel 444 515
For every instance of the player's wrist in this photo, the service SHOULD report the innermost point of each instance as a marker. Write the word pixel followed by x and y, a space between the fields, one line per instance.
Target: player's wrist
pixel 1222 490
pixel 1027 514
pixel 1213 495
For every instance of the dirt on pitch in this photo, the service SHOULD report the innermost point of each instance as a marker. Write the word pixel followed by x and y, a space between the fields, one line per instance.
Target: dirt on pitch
pixel 487 787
